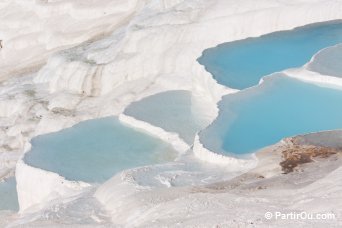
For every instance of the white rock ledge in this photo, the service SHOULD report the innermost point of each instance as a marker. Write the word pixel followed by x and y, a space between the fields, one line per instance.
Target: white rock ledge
pixel 169 137
pixel 36 187
pixel 234 163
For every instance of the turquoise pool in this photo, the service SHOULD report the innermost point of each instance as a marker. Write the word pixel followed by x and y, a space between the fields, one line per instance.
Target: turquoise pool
pixel 241 64
pixel 8 195
pixel 94 150
pixel 169 110
pixel 328 62
pixel 280 107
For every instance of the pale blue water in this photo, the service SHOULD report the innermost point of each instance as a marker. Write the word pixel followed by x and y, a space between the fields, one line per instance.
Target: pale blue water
pixel 241 64
pixel 169 110
pixel 279 108
pixel 8 195
pixel 328 61
pixel 94 150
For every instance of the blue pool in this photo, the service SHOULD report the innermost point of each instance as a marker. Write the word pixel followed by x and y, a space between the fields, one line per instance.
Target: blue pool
pixel 261 116
pixel 328 62
pixel 8 195
pixel 94 150
pixel 241 64
pixel 169 110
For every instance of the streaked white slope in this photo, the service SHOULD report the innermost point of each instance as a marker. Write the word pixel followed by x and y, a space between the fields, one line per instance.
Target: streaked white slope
pixel 31 30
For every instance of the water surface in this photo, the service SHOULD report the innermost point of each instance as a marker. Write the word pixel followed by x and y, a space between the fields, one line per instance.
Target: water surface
pixel 328 61
pixel 94 150
pixel 261 116
pixel 171 110
pixel 241 64
pixel 8 195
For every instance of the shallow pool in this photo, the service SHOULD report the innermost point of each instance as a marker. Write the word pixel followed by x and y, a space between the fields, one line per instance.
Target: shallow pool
pixel 280 107
pixel 241 64
pixel 171 110
pixel 8 195
pixel 94 150
pixel 328 61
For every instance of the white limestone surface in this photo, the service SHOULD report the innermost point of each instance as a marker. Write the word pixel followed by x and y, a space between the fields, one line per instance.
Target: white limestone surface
pixel 31 30
pixel 37 187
